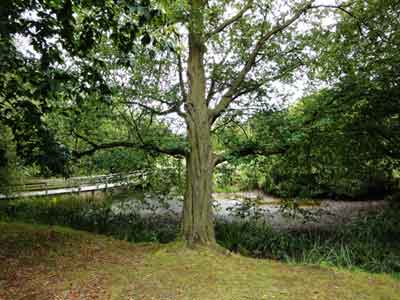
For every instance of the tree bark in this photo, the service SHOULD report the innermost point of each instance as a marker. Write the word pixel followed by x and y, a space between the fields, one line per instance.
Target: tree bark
pixel 198 225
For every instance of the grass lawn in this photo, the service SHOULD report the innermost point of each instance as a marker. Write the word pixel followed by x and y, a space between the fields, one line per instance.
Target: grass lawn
pixel 43 262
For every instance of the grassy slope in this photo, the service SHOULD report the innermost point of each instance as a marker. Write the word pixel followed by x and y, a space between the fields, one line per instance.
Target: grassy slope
pixel 41 262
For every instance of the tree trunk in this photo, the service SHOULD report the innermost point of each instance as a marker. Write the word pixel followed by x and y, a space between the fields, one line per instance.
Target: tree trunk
pixel 198 227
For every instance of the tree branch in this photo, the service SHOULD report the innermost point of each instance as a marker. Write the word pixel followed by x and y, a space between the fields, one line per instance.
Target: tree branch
pixel 173 109
pixel 257 85
pixel 173 151
pixel 247 151
pixel 230 21
pixel 212 91
pixel 180 74
pixel 341 7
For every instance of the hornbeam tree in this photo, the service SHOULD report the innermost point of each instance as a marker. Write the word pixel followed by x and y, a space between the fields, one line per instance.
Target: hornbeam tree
pixel 228 60
pixel 205 60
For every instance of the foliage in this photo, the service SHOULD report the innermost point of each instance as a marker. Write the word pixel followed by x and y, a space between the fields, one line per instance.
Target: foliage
pixel 342 143
pixel 112 161
pixel 7 159
pixel 48 55
pixel 241 175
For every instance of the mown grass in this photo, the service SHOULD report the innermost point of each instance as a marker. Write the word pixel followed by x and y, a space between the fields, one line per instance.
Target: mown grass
pixel 40 262
pixel 50 262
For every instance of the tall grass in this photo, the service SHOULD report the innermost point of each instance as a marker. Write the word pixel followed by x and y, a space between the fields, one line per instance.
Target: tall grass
pixel 371 243
pixel 96 216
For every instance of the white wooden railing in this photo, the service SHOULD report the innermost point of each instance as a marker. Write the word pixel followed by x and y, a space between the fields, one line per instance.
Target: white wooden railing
pixel 55 186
